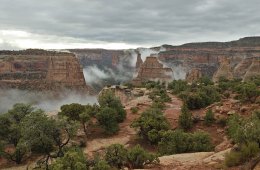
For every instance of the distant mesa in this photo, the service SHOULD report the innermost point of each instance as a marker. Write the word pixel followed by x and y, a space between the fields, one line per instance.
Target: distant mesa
pixel 151 69
pixel 40 70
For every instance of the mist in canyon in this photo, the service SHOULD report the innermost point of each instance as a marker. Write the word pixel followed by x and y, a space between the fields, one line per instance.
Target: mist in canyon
pixel 49 102
pixel 97 76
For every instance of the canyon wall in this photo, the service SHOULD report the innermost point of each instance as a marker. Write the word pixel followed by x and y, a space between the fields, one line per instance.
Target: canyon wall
pixel 207 57
pixel 46 70
pixel 40 70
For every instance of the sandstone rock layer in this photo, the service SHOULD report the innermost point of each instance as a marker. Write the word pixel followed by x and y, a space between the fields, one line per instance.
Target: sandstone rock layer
pixel 152 69
pixel 40 70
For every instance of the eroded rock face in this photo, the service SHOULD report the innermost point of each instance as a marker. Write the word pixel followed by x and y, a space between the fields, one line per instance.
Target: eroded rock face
pixel 206 56
pixel 152 69
pixel 193 75
pixel 253 70
pixel 139 61
pixel 224 70
pixel 40 70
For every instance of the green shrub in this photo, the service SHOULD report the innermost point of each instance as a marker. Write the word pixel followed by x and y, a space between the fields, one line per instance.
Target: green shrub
pixel 138 157
pixel 107 119
pixel 246 152
pixel 150 123
pixel 185 118
pixel 177 141
pixel 195 101
pixel 115 155
pixel 178 86
pixel 101 165
pixel 108 99
pixel 209 117
pixel 201 142
pixel 232 159
pixel 74 158
pixel 248 91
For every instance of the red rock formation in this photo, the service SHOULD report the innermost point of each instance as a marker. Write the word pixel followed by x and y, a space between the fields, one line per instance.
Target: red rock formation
pixel 41 70
pixel 151 69
pixel 205 56
pixel 193 75
pixel 115 60
pixel 253 70
pixel 224 70
pixel 139 61
pixel 66 72
pixel 241 68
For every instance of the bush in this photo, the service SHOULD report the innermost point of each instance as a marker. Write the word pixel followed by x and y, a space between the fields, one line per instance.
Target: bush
pixel 149 124
pixel 108 99
pixel 138 157
pixel 101 165
pixel 107 119
pixel 246 152
pixel 195 101
pixel 205 81
pixel 173 142
pixel 116 155
pixel 177 141
pixel 185 118
pixel 244 130
pixel 209 118
pixel 73 159
pixel 201 142
pixel 232 159
pixel 178 86
pixel 247 91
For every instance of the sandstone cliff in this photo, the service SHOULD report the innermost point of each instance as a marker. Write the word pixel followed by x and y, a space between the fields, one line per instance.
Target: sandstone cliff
pixel 206 56
pixel 139 61
pixel 224 70
pixel 152 69
pixel 40 70
pixel 253 70
pixel 193 75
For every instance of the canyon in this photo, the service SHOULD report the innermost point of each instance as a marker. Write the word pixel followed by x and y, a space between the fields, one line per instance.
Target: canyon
pixel 52 70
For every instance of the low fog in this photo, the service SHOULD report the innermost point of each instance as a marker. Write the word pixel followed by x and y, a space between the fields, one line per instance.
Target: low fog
pixel 47 101
pixel 99 76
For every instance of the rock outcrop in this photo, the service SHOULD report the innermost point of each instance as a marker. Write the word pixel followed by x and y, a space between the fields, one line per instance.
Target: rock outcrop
pixel 253 70
pixel 139 62
pixel 40 70
pixel 242 67
pixel 206 56
pixel 224 70
pixel 193 75
pixel 152 69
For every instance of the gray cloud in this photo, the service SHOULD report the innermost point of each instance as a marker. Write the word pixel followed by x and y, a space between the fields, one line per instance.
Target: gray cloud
pixel 139 22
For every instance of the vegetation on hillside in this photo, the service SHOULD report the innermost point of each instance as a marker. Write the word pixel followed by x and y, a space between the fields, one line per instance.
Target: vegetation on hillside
pixel 28 133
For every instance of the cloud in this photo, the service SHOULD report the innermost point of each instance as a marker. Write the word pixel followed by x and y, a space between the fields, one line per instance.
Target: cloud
pixel 85 23
pixel 46 101
pixel 94 75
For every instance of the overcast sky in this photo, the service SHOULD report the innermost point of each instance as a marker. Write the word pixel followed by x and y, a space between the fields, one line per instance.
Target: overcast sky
pixel 124 23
